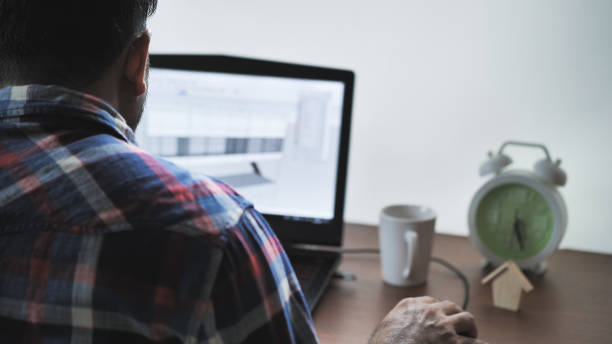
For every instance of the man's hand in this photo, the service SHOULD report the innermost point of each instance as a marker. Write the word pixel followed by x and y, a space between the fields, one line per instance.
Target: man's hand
pixel 426 320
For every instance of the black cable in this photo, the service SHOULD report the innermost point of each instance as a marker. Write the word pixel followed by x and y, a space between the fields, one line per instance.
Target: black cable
pixel 318 248
pixel 462 277
pixel 359 251
pixel 466 283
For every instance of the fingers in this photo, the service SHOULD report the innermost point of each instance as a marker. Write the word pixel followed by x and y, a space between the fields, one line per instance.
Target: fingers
pixel 464 324
pixel 449 308
pixel 425 317
pixel 427 299
pixel 411 302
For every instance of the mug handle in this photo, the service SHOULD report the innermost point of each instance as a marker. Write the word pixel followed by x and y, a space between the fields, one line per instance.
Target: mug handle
pixel 410 238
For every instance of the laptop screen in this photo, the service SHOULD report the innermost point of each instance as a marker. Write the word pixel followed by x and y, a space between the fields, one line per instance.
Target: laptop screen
pixel 275 138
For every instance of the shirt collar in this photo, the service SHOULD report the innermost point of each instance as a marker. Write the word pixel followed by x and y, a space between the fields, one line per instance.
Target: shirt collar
pixel 47 103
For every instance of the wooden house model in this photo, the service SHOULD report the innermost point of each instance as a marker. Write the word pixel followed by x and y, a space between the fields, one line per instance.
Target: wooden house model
pixel 508 285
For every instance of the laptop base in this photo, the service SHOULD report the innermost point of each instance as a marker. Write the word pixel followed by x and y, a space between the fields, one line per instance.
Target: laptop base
pixel 314 271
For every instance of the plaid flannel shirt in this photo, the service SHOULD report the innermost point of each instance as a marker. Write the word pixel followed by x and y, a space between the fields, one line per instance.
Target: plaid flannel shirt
pixel 102 242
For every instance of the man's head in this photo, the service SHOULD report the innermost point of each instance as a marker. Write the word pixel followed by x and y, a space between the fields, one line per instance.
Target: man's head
pixel 96 46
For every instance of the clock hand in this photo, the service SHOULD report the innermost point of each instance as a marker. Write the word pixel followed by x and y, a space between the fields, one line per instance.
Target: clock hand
pixel 517 231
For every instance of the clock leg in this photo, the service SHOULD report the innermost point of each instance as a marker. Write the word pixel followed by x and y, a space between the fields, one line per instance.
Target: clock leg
pixel 539 268
pixel 485 263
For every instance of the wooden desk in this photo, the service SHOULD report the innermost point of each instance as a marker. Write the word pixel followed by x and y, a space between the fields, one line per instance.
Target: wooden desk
pixel 571 302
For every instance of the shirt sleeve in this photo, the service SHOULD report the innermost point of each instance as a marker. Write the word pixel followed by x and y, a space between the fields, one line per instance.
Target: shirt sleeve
pixel 256 297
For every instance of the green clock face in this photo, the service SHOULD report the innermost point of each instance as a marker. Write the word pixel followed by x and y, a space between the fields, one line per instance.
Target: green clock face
pixel 514 221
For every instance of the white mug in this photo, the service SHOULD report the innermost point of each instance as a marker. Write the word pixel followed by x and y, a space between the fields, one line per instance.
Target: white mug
pixel 406 237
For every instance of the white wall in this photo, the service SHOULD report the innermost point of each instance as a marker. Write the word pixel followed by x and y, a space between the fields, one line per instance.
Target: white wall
pixel 440 82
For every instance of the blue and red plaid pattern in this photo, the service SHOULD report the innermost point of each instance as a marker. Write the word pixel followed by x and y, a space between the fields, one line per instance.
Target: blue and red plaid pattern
pixel 102 242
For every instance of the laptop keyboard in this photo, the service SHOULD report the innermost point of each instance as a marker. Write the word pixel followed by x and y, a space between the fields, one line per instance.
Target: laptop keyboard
pixel 305 269
pixel 313 272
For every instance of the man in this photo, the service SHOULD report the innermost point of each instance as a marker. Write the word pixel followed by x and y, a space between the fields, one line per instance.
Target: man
pixel 102 242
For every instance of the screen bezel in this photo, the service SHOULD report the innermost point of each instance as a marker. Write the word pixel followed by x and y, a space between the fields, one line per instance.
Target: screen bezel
pixel 289 230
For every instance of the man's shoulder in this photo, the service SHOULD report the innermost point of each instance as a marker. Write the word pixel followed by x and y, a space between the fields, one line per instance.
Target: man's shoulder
pixel 136 190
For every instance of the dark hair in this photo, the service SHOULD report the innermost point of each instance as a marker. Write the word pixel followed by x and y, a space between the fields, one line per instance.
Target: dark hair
pixel 66 42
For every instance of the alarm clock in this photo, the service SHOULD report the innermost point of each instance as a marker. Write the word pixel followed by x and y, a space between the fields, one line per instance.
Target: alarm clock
pixel 518 215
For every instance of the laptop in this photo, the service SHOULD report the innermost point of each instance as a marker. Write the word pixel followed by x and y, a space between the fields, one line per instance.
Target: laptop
pixel 277 132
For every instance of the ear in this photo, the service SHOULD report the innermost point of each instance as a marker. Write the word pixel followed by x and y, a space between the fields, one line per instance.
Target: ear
pixel 136 62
